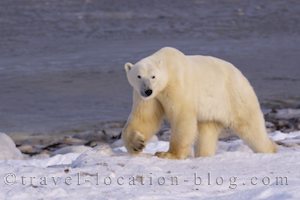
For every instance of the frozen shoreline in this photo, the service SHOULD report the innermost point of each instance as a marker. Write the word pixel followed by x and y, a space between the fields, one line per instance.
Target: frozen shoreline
pixel 94 164
pixel 109 173
pixel 45 145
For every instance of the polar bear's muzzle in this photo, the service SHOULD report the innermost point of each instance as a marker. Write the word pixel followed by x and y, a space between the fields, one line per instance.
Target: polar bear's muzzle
pixel 146 93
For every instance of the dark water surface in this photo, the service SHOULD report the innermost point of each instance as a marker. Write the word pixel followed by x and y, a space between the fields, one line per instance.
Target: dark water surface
pixel 61 61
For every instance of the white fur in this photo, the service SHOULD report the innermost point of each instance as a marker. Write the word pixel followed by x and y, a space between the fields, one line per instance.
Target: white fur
pixel 199 96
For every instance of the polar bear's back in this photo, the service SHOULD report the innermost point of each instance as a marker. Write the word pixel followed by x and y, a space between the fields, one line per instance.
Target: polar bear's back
pixel 210 64
pixel 215 71
pixel 219 85
pixel 211 73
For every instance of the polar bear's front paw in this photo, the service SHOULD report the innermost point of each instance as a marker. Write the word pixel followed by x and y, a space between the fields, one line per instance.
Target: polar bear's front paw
pixel 137 143
pixel 167 155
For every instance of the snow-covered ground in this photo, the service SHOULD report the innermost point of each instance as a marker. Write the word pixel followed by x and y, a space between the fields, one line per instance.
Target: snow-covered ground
pixel 106 173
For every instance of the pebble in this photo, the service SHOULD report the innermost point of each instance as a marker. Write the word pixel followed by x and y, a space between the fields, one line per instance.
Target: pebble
pixel 29 149
pixel 74 141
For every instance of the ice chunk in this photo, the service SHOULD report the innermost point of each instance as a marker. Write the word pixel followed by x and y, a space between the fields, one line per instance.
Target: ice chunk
pixel 72 149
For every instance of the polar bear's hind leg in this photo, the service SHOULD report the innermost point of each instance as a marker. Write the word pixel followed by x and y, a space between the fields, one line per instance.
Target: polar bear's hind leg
pixel 206 141
pixel 253 133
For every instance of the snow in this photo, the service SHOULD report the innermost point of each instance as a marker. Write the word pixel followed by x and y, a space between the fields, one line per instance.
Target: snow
pixel 8 148
pixel 110 173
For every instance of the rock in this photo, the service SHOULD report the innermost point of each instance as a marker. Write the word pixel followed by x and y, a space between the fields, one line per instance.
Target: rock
pixel 29 149
pixel 164 134
pixel 90 136
pixel 108 135
pixel 74 141
pixel 54 147
pixel 287 113
pixel 283 124
pixel 270 126
pixel 112 134
pixel 95 143
pixel 8 148
pixel 92 144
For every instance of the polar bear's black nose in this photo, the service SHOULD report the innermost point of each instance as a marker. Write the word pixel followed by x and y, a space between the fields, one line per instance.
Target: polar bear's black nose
pixel 148 92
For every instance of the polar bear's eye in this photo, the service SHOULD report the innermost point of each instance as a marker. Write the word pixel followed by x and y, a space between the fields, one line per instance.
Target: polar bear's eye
pixel 139 76
pixel 153 77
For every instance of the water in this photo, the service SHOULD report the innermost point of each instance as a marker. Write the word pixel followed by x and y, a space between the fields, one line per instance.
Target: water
pixel 61 62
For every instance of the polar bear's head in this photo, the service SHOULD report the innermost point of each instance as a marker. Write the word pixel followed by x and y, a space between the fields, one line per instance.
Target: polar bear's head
pixel 147 77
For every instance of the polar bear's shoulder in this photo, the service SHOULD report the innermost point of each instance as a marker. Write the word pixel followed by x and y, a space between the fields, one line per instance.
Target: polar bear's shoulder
pixel 168 52
pixel 211 62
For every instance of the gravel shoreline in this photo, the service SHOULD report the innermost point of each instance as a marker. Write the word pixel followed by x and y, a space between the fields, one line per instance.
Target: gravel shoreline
pixel 41 144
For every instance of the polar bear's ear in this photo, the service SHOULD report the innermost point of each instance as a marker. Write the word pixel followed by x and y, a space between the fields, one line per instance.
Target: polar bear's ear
pixel 128 66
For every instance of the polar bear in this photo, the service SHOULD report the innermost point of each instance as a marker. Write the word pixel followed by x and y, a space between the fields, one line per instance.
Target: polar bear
pixel 199 96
